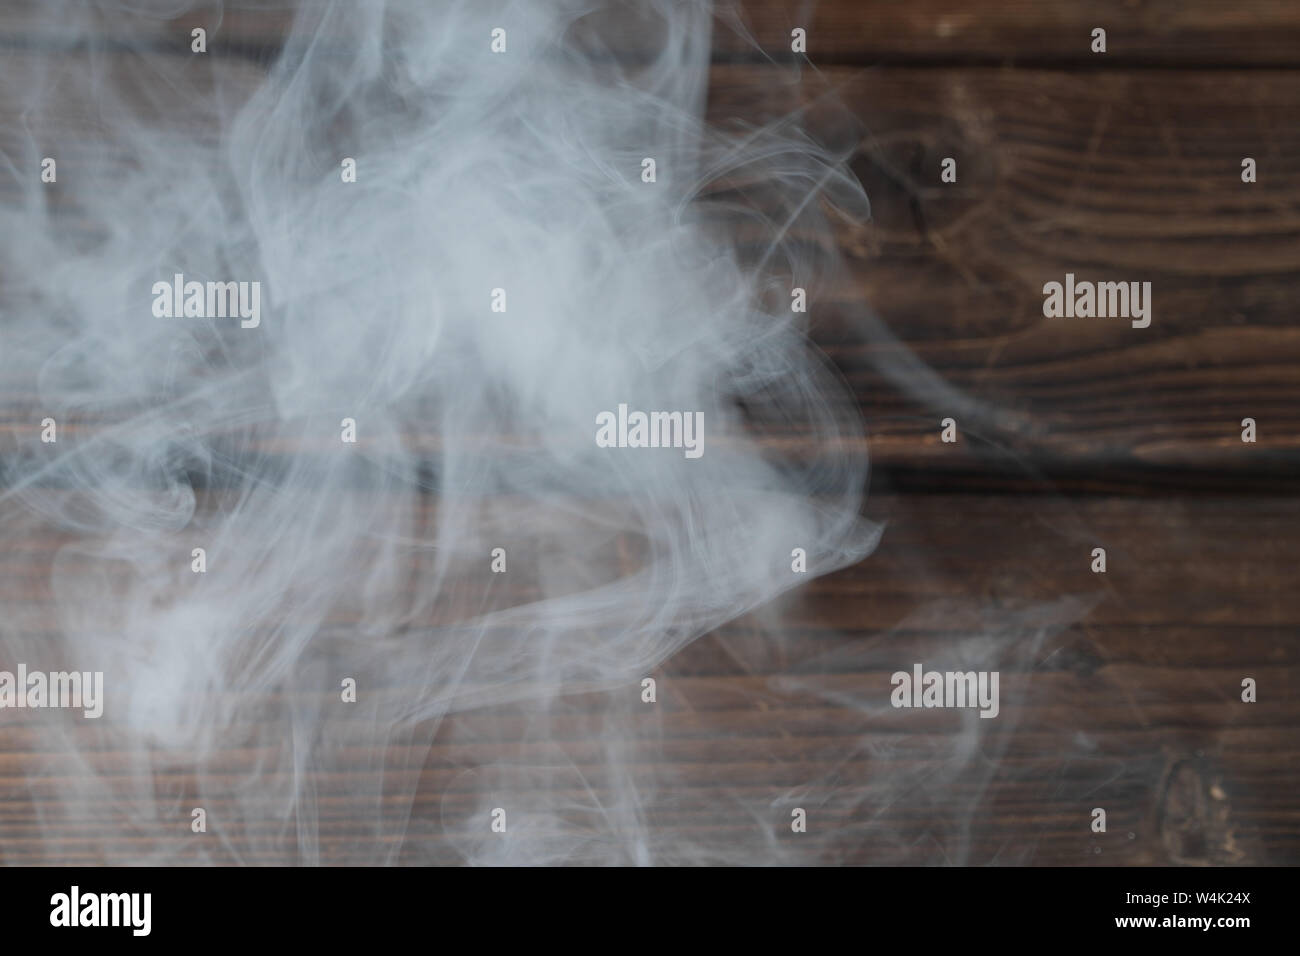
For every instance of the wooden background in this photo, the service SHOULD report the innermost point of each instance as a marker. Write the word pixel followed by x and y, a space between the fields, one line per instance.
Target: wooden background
pixel 1120 691
pixel 1122 165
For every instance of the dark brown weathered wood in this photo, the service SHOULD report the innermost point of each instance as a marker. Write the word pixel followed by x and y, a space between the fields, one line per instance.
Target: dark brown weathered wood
pixel 1132 175
pixel 1126 176
pixel 1120 690
pixel 1247 33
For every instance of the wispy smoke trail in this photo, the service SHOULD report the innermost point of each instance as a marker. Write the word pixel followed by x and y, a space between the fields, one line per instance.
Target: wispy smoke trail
pixel 500 273
pixel 476 170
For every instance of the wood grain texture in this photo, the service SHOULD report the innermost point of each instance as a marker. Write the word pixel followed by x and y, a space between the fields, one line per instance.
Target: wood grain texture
pixel 1246 33
pixel 1129 175
pixel 1120 690
pixel 1126 175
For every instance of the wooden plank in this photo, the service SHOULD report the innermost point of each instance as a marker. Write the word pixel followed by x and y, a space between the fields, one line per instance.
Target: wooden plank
pixel 1024 32
pixel 1118 690
pixel 1125 176
pixel 1130 175
pixel 1245 33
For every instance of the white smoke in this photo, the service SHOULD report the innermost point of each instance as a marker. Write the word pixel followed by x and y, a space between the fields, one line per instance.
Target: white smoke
pixel 326 560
